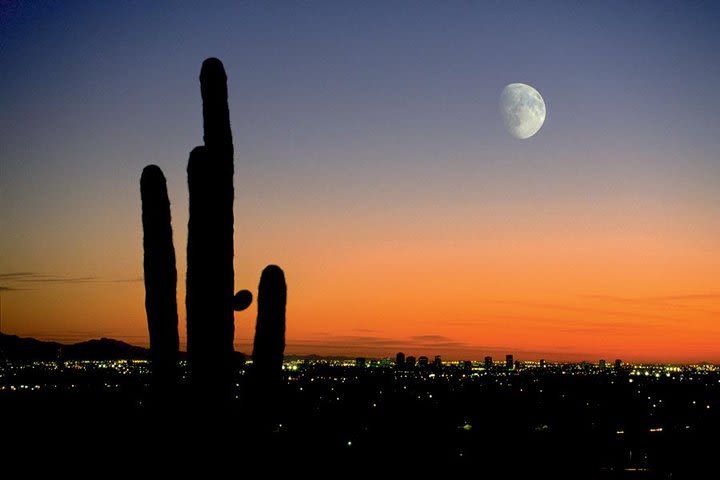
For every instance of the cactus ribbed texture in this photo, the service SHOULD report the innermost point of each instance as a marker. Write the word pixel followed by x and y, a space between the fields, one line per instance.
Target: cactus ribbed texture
pixel 160 277
pixel 209 298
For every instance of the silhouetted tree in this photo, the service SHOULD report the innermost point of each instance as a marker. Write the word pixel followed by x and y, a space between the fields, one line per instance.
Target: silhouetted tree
pixel 160 278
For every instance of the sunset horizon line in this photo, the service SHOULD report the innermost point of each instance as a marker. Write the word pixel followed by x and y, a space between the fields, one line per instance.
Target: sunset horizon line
pixel 369 352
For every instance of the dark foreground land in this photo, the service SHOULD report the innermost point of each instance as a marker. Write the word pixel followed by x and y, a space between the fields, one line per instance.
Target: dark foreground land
pixel 565 421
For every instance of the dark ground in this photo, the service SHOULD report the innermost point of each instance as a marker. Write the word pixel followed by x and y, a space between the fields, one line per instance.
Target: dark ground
pixel 350 421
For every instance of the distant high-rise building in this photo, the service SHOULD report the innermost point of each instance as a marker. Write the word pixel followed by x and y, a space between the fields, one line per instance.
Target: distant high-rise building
pixel 618 364
pixel 488 362
pixel 509 362
pixel 601 364
pixel 409 361
pixel 542 363
pixel 423 361
pixel 517 364
pixel 438 361
pixel 400 361
pixel 467 365
pixel 360 362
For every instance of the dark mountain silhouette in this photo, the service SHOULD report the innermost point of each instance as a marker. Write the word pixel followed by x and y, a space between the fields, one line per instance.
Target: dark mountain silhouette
pixel 104 349
pixel 315 357
pixel 17 348
pixel 13 347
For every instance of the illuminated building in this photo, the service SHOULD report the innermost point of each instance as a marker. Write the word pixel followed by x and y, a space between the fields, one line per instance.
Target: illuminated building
pixel 400 361
pixel 488 362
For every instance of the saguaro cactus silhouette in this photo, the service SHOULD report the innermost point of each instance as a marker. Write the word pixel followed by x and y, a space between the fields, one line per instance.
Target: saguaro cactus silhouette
pixel 270 328
pixel 268 348
pixel 209 299
pixel 160 277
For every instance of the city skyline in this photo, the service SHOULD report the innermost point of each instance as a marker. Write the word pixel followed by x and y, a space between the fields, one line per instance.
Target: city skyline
pixel 371 163
pixel 593 422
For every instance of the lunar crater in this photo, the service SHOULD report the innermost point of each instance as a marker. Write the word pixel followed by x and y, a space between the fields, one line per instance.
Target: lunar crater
pixel 523 110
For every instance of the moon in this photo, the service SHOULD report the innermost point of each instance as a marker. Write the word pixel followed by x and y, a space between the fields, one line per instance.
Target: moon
pixel 523 110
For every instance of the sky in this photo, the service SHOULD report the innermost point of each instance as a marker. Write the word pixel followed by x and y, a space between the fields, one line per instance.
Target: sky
pixel 372 164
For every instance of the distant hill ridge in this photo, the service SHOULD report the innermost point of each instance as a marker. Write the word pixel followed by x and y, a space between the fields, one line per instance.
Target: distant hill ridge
pixel 16 348
pixel 13 347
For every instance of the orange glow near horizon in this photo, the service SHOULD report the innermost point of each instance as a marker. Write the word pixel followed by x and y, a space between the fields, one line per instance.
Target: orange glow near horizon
pixel 539 294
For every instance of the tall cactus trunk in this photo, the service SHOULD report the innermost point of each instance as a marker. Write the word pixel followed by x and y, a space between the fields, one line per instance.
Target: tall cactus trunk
pixel 160 279
pixel 269 343
pixel 209 300
pixel 210 274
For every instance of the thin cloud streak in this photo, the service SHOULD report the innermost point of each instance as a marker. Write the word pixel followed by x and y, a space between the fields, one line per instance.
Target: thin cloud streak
pixel 430 338
pixel 387 346
pixel 29 278
pixel 15 275
pixel 125 280
pixel 549 306
pixel 662 301
pixel 62 280
pixel 656 298
pixel 545 323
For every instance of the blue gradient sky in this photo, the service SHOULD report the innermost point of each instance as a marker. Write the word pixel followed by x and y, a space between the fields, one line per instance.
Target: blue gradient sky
pixel 360 126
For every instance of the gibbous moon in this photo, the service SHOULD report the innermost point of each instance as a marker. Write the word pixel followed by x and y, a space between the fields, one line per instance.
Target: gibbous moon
pixel 523 110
